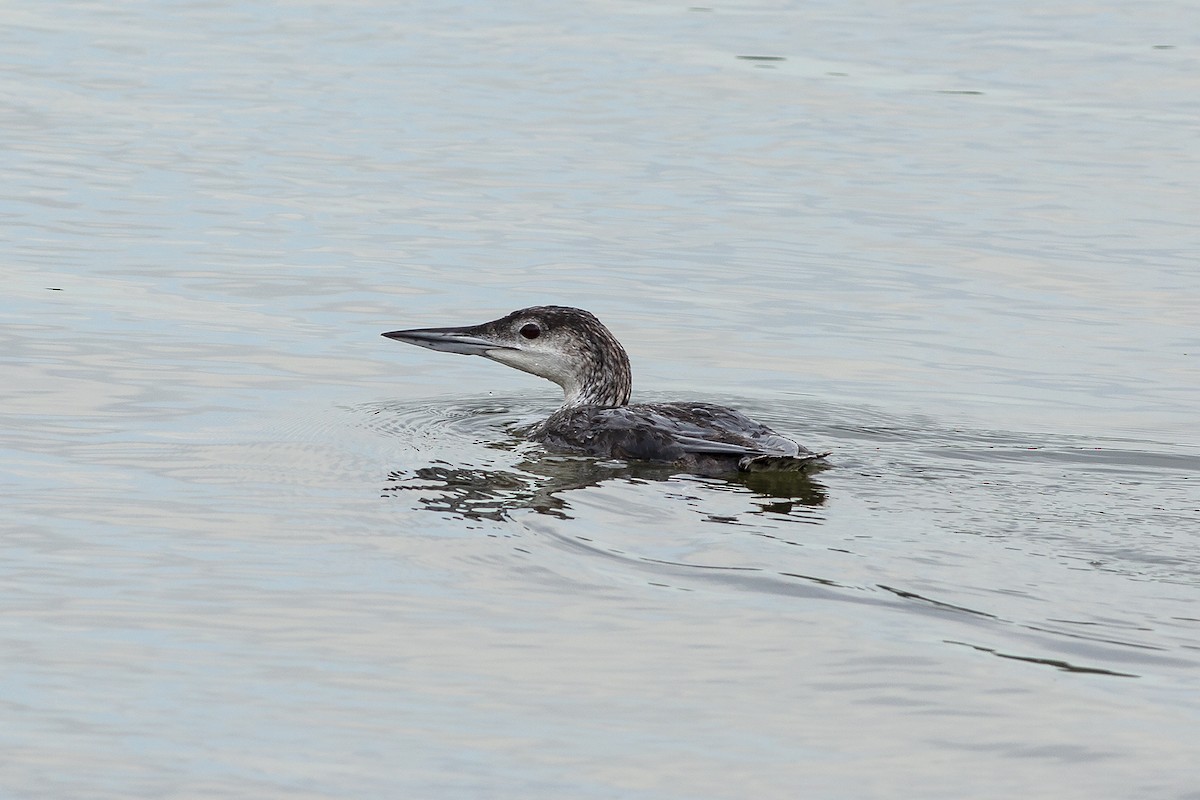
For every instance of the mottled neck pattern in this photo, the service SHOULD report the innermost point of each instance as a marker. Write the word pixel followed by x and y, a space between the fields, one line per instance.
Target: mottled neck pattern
pixel 604 377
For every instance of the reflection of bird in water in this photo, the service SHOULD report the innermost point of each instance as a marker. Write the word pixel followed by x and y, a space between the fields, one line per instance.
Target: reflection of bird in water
pixel 572 348
pixel 540 485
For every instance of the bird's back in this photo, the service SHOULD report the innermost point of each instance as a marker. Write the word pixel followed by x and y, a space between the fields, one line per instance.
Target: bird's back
pixel 695 435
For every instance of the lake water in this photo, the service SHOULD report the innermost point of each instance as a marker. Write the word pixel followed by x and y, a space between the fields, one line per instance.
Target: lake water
pixel 252 549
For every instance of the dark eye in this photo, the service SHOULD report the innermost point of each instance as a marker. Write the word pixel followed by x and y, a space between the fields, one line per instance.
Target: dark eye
pixel 530 331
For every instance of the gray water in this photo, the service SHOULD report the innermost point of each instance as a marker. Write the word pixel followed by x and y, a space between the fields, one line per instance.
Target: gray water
pixel 252 549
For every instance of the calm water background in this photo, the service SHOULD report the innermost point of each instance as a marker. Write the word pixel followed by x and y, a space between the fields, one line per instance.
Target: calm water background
pixel 251 549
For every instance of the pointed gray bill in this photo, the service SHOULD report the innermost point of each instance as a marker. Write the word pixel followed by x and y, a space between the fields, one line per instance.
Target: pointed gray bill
pixel 447 340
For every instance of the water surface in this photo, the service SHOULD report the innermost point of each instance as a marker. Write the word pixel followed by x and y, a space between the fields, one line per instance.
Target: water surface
pixel 253 549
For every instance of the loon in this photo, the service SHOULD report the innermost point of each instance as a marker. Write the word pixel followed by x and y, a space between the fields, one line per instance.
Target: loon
pixel 572 348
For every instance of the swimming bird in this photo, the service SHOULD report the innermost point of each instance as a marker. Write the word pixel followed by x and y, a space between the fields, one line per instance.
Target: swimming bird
pixel 572 348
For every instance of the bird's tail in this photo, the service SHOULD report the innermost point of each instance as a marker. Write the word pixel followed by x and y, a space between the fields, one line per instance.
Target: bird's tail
pixel 763 463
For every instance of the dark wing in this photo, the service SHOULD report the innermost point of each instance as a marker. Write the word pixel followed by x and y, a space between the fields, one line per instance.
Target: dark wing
pixel 696 433
pixel 693 445
pixel 667 431
pixel 705 428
